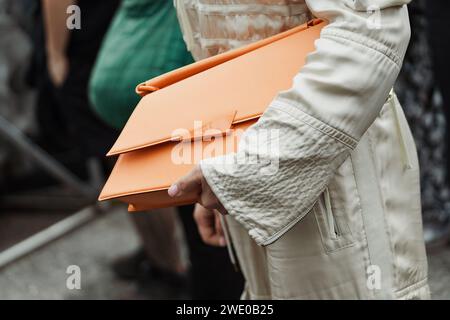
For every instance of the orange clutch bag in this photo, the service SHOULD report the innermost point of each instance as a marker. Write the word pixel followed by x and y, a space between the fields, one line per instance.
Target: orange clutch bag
pixel 191 107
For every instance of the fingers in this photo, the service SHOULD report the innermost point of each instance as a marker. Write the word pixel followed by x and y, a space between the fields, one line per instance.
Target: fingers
pixel 209 229
pixel 194 183
pixel 188 184
pixel 57 69
pixel 209 200
pixel 205 222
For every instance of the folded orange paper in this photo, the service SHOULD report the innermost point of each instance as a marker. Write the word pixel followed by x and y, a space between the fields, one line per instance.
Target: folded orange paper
pixel 199 111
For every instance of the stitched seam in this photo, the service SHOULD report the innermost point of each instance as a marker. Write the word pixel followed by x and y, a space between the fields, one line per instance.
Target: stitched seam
pixel 286 227
pixel 415 286
pixel 365 42
pixel 315 123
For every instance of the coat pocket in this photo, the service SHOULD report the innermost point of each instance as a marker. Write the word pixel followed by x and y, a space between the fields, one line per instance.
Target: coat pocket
pixel 334 229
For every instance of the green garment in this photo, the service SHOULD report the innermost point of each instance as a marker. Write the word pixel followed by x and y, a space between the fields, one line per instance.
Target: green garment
pixel 143 41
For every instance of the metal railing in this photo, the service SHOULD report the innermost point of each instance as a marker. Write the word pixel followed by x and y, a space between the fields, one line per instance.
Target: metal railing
pixel 88 191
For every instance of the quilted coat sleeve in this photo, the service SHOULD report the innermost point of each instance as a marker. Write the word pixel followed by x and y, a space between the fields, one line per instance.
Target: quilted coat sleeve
pixel 286 159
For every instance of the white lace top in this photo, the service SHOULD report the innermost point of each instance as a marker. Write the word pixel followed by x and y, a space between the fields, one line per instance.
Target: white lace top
pixel 214 26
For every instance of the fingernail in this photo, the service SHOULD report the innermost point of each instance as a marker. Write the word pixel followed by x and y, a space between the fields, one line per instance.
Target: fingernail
pixel 222 242
pixel 173 190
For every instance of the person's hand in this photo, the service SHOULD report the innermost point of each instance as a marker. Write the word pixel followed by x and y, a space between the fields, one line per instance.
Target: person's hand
pixel 209 226
pixel 194 183
pixel 58 67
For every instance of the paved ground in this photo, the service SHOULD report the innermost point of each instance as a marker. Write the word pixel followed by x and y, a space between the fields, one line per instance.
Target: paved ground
pixel 42 275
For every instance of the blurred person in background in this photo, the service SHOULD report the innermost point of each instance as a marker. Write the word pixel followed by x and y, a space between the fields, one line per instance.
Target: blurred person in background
pixel 438 27
pixel 144 41
pixel 70 57
pixel 427 115
pixel 69 126
pixel 63 58
pixel 16 98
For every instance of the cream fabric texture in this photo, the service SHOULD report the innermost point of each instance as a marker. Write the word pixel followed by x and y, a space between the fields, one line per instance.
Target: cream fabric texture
pixel 340 196
pixel 280 187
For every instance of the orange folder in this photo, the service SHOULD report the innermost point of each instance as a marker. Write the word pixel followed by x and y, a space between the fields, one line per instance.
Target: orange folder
pixel 203 106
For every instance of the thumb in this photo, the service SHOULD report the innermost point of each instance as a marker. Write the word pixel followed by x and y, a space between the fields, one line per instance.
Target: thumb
pixel 188 184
